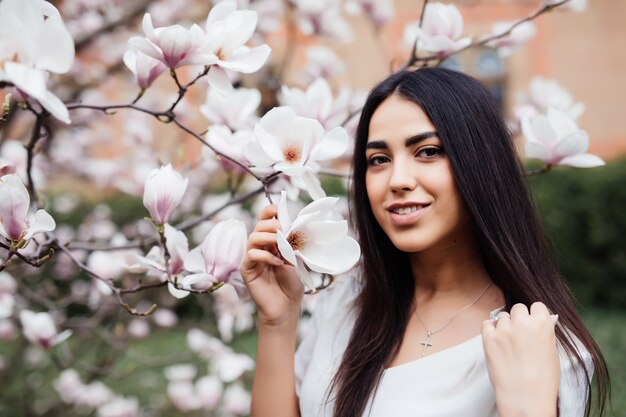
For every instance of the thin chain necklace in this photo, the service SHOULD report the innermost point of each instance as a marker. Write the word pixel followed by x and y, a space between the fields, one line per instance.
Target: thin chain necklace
pixel 429 333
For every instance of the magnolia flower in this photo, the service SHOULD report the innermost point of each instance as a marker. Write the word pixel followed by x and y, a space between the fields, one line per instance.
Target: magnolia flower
pixel 219 255
pixel 544 93
pixel 237 110
pixel 322 18
pixel 441 30
pixel 209 390
pixel 521 34
pixel 232 313
pixel 236 400
pixel 322 62
pixel 145 68
pixel 317 103
pixel 39 329
pixel 120 407
pixel 163 192
pixel 16 224
pixel 230 144
pixel 227 31
pixel 294 145
pixel 26 60
pixel 230 366
pixel 175 46
pixel 556 140
pixel 312 240
pixel 379 11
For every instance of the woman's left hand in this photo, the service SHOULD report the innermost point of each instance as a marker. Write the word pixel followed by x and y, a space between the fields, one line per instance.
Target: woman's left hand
pixel 522 361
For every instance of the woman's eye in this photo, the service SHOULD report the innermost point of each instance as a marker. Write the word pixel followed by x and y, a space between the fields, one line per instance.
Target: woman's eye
pixel 429 152
pixel 376 160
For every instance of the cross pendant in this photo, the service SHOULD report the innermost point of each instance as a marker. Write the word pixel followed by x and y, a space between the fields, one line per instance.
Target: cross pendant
pixel 426 343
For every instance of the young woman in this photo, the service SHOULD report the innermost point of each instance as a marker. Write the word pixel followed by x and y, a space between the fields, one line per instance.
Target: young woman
pixel 457 308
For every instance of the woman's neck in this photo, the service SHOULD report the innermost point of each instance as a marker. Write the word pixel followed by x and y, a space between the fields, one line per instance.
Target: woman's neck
pixel 454 269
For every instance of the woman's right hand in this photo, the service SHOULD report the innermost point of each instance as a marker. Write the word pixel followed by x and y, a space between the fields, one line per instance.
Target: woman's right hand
pixel 273 284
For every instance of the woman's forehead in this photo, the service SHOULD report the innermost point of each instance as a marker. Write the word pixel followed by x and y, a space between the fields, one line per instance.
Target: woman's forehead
pixel 398 117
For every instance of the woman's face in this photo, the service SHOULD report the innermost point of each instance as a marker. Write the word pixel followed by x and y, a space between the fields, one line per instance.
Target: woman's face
pixel 409 180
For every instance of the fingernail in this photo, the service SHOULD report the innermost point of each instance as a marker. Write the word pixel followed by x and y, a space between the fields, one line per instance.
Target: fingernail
pixel 278 261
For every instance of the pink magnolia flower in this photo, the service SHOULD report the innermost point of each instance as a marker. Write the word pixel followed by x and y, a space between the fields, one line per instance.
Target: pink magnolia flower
pixel 175 46
pixel 441 30
pixel 230 144
pixel 26 60
pixel 16 223
pixel 119 407
pixel 39 329
pixel 145 68
pixel 556 140
pixel 219 255
pixel 228 30
pixel 519 36
pixel 163 191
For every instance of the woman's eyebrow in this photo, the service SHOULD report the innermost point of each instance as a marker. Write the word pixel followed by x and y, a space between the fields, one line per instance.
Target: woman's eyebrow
pixel 408 142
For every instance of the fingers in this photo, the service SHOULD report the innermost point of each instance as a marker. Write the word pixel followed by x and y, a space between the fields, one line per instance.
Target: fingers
pixel 539 309
pixel 268 212
pixel 268 225
pixel 261 239
pixel 259 256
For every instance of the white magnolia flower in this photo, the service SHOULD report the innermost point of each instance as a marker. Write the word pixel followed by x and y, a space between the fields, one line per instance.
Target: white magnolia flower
pixel 556 140
pixel 236 400
pixel 378 11
pixel 518 37
pixel 16 223
pixel 175 46
pixel 228 30
pixel 26 60
pixel 145 68
pixel 209 389
pixel 313 239
pixel 230 144
pixel 230 366
pixel 322 62
pixel 183 395
pixel 294 145
pixel 120 407
pixel 180 372
pixel 232 313
pixel 545 93
pixel 7 302
pixel 237 110
pixel 219 255
pixel 441 30
pixel 322 18
pixel 39 329
pixel 163 191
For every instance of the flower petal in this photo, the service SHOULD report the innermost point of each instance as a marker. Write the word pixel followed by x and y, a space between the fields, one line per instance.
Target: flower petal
pixel 584 160
pixel 333 145
pixel 218 79
pixel 42 222
pixel 285 248
pixel 194 261
pixel 324 259
pixel 175 292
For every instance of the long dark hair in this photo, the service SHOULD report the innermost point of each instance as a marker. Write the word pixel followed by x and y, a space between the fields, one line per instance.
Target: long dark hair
pixel 490 177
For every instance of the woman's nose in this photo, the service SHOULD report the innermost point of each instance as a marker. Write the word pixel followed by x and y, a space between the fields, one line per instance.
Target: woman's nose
pixel 402 179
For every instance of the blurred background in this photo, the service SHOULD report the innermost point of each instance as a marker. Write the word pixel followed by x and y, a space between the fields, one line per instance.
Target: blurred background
pixel 194 356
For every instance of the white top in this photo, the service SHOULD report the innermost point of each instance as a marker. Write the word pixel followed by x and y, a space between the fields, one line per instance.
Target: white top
pixel 451 382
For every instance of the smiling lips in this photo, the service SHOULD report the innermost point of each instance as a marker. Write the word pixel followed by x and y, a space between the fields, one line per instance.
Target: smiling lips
pixel 406 214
